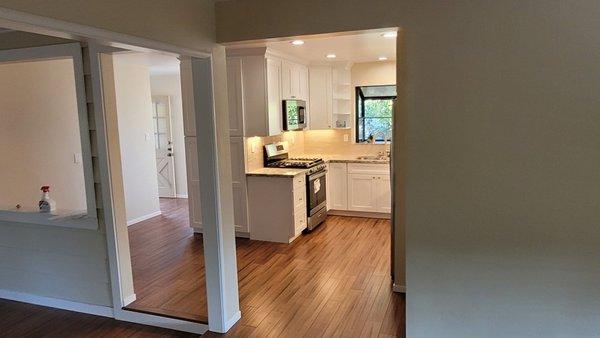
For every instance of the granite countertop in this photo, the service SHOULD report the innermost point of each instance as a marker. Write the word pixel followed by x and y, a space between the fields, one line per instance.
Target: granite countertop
pixel 276 172
pixel 349 159
pixel 291 172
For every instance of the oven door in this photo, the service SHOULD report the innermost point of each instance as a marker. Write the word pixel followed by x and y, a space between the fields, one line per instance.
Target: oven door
pixel 316 192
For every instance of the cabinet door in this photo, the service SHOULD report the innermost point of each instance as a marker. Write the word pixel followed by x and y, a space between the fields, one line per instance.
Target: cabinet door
pixel 238 182
pixel 303 82
pixel 295 81
pixel 235 96
pixel 286 80
pixel 383 195
pixel 361 192
pixel 337 186
pixel 320 101
pixel 274 105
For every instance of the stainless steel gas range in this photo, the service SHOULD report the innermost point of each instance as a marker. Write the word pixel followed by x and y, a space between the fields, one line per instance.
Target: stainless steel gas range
pixel 276 155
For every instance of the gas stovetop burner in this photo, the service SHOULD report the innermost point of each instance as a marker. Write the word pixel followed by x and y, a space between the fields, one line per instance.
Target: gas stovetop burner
pixel 296 163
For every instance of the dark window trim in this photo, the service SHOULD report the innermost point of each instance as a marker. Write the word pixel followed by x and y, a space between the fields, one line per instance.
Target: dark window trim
pixel 360 99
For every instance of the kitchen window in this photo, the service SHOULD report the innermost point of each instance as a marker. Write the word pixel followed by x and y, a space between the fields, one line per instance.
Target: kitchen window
pixel 374 110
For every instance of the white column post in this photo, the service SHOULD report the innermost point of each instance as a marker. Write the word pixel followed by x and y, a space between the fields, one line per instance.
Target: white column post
pixel 216 196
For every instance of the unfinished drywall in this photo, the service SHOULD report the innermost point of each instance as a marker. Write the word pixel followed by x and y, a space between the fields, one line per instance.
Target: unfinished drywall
pixel 136 137
pixel 502 206
pixel 39 136
pixel 170 85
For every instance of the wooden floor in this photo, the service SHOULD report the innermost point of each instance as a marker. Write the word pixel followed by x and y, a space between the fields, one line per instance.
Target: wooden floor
pixel 332 282
pixel 27 320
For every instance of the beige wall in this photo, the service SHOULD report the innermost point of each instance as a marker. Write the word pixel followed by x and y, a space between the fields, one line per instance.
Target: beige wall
pixel 136 137
pixel 502 152
pixel 39 135
pixel 170 85
pixel 17 39
pixel 188 23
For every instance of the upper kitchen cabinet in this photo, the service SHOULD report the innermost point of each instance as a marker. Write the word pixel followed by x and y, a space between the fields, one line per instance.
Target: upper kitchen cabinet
pixel 294 81
pixel 257 82
pixel 330 97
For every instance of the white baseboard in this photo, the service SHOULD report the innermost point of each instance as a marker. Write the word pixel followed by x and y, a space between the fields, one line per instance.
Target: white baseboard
pixel 143 218
pixel 97 310
pixel 351 213
pixel 242 234
pixel 159 321
pixel 181 196
pixel 399 288
pixel 228 324
pixel 129 299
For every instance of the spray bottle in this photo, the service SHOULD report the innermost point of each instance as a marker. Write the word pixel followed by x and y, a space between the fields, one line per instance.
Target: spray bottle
pixel 46 203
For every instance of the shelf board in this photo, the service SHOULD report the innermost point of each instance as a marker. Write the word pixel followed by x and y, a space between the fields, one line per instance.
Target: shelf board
pixel 341 128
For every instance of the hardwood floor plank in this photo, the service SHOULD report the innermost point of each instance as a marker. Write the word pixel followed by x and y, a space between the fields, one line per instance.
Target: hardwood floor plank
pixel 331 282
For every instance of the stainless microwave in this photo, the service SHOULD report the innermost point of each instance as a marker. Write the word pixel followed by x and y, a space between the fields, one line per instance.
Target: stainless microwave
pixel 294 115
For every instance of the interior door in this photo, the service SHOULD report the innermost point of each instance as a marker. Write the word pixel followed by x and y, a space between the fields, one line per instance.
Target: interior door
pixel 165 166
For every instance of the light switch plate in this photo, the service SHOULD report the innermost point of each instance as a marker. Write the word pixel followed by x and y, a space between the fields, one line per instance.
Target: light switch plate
pixel 346 138
pixel 253 148
pixel 77 157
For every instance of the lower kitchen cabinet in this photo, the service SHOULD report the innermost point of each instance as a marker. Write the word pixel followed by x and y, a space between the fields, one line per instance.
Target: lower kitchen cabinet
pixel 337 186
pixel 361 187
pixel 361 192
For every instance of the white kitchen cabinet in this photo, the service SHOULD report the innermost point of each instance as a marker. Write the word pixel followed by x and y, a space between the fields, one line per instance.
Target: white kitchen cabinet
pixel 383 194
pixel 369 187
pixel 238 180
pixel 361 192
pixel 360 187
pixel 337 186
pixel 277 207
pixel 257 82
pixel 294 80
pixel 320 93
pixel 254 94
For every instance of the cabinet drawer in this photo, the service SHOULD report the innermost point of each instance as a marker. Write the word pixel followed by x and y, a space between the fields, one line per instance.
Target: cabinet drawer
pixel 299 198
pixel 299 220
pixel 368 168
pixel 299 182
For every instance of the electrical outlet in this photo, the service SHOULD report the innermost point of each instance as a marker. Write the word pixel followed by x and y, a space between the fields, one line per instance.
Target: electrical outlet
pixel 77 158
pixel 147 136
pixel 346 138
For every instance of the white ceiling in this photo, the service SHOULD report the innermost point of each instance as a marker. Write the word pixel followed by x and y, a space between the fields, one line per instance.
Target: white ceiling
pixel 364 47
pixel 159 64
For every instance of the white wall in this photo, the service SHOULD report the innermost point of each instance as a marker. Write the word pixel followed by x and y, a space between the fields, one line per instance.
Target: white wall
pixel 39 135
pixel 170 85
pixel 502 194
pixel 136 136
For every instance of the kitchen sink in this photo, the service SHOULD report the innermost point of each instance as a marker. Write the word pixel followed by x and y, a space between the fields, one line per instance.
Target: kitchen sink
pixel 371 158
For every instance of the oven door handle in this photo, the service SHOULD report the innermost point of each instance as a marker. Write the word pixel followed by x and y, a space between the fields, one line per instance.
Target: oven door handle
pixel 317 175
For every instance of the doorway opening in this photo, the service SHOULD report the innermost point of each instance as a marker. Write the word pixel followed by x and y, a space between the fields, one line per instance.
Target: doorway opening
pixel 166 255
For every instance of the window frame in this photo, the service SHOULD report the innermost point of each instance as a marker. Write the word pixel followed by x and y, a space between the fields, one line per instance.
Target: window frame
pixel 62 51
pixel 360 98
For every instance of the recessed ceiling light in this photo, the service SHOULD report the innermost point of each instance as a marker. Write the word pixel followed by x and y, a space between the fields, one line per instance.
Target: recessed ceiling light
pixel 297 42
pixel 331 56
pixel 390 35
pixel 382 58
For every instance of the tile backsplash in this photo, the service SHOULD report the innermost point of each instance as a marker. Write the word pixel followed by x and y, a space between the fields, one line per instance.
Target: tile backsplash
pixel 311 142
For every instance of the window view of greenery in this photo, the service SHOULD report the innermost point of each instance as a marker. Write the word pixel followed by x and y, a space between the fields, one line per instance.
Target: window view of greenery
pixel 374 109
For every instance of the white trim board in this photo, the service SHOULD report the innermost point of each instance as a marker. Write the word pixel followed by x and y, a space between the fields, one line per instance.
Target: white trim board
pixel 352 213
pixel 181 196
pixel 97 310
pixel 18 20
pixel 143 218
pixel 129 299
pixel 165 322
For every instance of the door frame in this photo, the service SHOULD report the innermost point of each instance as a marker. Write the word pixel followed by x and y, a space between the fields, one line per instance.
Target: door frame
pixel 219 241
pixel 173 172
